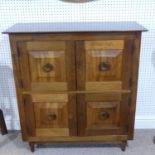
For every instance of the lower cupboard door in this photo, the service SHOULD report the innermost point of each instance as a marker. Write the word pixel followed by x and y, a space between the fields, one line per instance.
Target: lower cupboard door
pixel 102 114
pixel 50 115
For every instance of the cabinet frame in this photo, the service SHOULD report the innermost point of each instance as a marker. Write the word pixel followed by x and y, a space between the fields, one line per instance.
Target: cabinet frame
pixel 78 38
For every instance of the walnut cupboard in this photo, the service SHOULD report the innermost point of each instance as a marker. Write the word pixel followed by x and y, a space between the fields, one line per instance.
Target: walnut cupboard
pixel 76 82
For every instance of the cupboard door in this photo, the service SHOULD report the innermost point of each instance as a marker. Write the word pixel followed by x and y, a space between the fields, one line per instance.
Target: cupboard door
pixel 47 72
pixel 47 66
pixel 104 77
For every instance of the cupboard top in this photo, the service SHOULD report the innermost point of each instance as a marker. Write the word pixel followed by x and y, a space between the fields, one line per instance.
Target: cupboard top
pixel 75 27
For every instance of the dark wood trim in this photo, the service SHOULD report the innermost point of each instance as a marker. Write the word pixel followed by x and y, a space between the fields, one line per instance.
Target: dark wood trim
pixel 135 68
pixel 97 139
pixel 17 76
pixel 73 36
pixel 80 71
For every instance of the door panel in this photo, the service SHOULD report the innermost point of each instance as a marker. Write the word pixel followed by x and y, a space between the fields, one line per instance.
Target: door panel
pixel 52 114
pixel 102 114
pixel 49 65
pixel 104 60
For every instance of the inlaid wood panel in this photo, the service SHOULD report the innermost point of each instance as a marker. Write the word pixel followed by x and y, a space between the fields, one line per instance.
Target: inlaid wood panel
pixel 54 132
pixel 103 114
pixel 51 115
pixel 102 86
pixel 47 65
pixel 51 119
pixel 104 64
pixel 104 60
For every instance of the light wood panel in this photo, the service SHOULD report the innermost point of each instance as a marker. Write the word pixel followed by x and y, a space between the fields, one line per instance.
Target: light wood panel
pixel 56 132
pixel 106 44
pixel 102 86
pixel 49 87
pixel 49 98
pixel 95 97
pixel 46 45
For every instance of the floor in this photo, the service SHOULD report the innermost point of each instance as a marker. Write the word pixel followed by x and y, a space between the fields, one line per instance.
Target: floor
pixel 11 144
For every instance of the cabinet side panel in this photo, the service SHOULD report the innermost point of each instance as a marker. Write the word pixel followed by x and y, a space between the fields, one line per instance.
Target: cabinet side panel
pixel 16 72
pixel 135 68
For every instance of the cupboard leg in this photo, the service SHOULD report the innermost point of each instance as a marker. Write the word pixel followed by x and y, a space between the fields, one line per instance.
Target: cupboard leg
pixel 2 124
pixel 32 146
pixel 123 145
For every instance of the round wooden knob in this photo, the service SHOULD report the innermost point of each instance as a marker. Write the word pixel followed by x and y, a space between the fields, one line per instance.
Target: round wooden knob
pixel 51 116
pixel 104 115
pixel 47 67
pixel 104 67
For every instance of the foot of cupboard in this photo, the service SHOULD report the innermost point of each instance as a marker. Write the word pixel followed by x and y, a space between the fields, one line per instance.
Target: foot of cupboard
pixel 124 145
pixel 32 146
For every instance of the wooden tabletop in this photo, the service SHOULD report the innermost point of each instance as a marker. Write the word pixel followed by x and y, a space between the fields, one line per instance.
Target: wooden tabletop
pixel 75 27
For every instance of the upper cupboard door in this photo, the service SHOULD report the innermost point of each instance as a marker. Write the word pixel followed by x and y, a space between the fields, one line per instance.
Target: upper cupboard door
pixel 104 64
pixel 47 65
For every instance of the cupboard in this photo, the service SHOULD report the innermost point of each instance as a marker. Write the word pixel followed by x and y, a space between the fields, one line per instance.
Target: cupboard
pixel 76 82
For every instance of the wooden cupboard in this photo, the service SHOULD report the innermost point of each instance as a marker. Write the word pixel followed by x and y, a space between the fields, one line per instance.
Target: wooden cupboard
pixel 76 82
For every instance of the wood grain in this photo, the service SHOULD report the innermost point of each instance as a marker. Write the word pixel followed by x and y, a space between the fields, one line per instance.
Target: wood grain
pixel 43 112
pixel 103 45
pixel 80 72
pixel 49 98
pixel 102 86
pixel 52 132
pixel 135 67
pixel 17 77
pixel 45 45
pixel 91 139
pixel 87 75
pixel 29 114
pixel 48 87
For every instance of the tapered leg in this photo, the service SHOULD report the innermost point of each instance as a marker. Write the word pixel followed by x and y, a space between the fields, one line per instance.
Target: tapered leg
pixel 32 146
pixel 123 145
pixel 2 124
